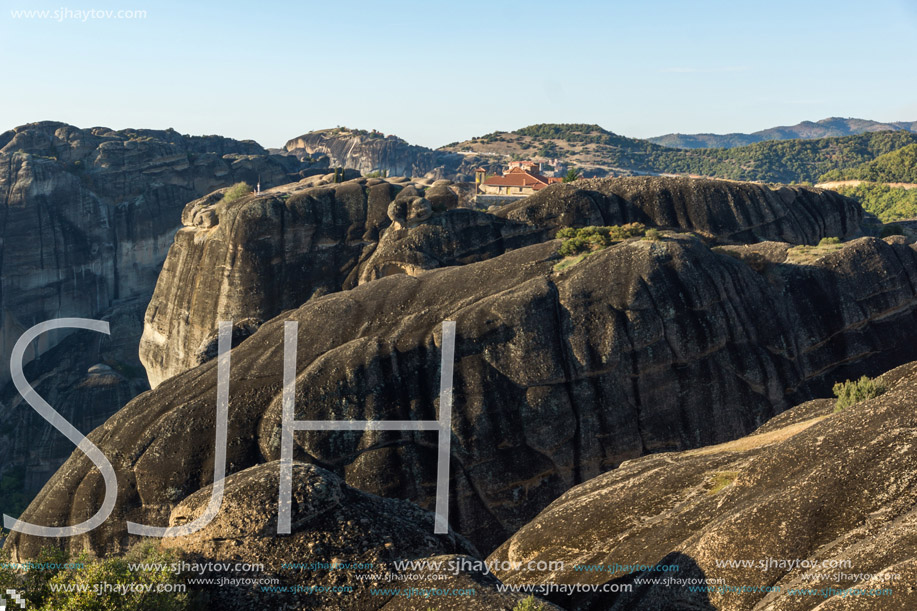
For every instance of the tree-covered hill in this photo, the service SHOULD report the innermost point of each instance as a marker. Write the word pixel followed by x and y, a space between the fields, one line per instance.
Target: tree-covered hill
pixel 897 166
pixel 592 147
pixel 888 203
pixel 783 161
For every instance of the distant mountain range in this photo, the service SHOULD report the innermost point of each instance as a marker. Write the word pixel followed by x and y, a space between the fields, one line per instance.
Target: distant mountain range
pixel 802 153
pixel 596 151
pixel 826 128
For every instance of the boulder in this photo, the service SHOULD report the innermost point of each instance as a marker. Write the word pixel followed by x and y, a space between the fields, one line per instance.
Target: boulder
pixel 342 539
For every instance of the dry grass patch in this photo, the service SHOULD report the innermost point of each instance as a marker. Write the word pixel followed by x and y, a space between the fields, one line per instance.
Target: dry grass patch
pixel 804 255
pixel 752 442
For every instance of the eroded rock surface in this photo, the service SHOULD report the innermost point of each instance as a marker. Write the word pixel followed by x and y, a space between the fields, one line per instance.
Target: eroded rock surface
pixel 372 152
pixel 260 256
pixel 812 486
pixel 90 214
pixel 732 211
pixel 87 218
pixel 646 346
pixel 331 524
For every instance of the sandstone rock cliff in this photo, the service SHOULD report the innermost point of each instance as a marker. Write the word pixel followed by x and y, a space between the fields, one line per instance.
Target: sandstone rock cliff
pixel 259 256
pixel 731 211
pixel 646 346
pixel 830 491
pixel 87 218
pixel 369 152
pixel 90 214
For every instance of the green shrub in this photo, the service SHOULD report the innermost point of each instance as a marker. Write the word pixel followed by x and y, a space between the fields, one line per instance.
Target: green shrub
pixel 848 392
pixel 8 577
pixel 653 234
pixel 806 255
pixel 899 165
pixel 236 192
pixel 721 480
pixel 592 238
pixel 94 577
pixel 529 604
pixel 34 584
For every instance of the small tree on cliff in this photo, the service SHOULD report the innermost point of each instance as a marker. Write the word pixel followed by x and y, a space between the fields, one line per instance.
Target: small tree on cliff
pixel 571 175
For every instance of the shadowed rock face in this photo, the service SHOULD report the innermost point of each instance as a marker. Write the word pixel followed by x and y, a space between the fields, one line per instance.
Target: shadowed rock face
pixel 260 256
pixel 90 214
pixel 86 377
pixel 810 485
pixel 732 211
pixel 646 346
pixel 87 218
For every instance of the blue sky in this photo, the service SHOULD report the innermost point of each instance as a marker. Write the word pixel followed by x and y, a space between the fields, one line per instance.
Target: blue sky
pixel 438 72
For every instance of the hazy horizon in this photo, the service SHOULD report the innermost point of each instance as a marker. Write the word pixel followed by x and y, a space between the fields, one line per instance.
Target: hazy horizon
pixel 273 72
pixel 434 146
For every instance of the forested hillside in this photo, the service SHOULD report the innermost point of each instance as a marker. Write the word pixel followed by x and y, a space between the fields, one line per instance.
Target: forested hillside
pixel 897 166
pixel 785 161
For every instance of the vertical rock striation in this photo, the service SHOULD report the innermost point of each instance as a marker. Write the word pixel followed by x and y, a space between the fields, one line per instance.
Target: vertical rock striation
pixel 646 346
pixel 86 220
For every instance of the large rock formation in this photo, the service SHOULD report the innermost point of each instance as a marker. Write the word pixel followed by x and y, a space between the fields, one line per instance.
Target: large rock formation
pixel 643 347
pixel 731 211
pixel 259 256
pixel 88 217
pixel 815 502
pixel 250 259
pixel 86 377
pixel 90 214
pixel 372 151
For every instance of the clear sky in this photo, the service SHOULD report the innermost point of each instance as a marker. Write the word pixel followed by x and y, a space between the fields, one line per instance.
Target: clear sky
pixel 436 72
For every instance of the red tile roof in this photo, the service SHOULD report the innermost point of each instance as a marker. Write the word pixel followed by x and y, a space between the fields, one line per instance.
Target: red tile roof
pixel 518 177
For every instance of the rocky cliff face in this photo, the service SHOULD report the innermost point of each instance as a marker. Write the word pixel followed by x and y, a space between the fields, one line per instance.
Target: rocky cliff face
pixel 643 347
pixel 257 257
pixel 90 214
pixel 251 259
pixel 730 211
pixel 833 492
pixel 86 377
pixel 88 217
pixel 369 152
